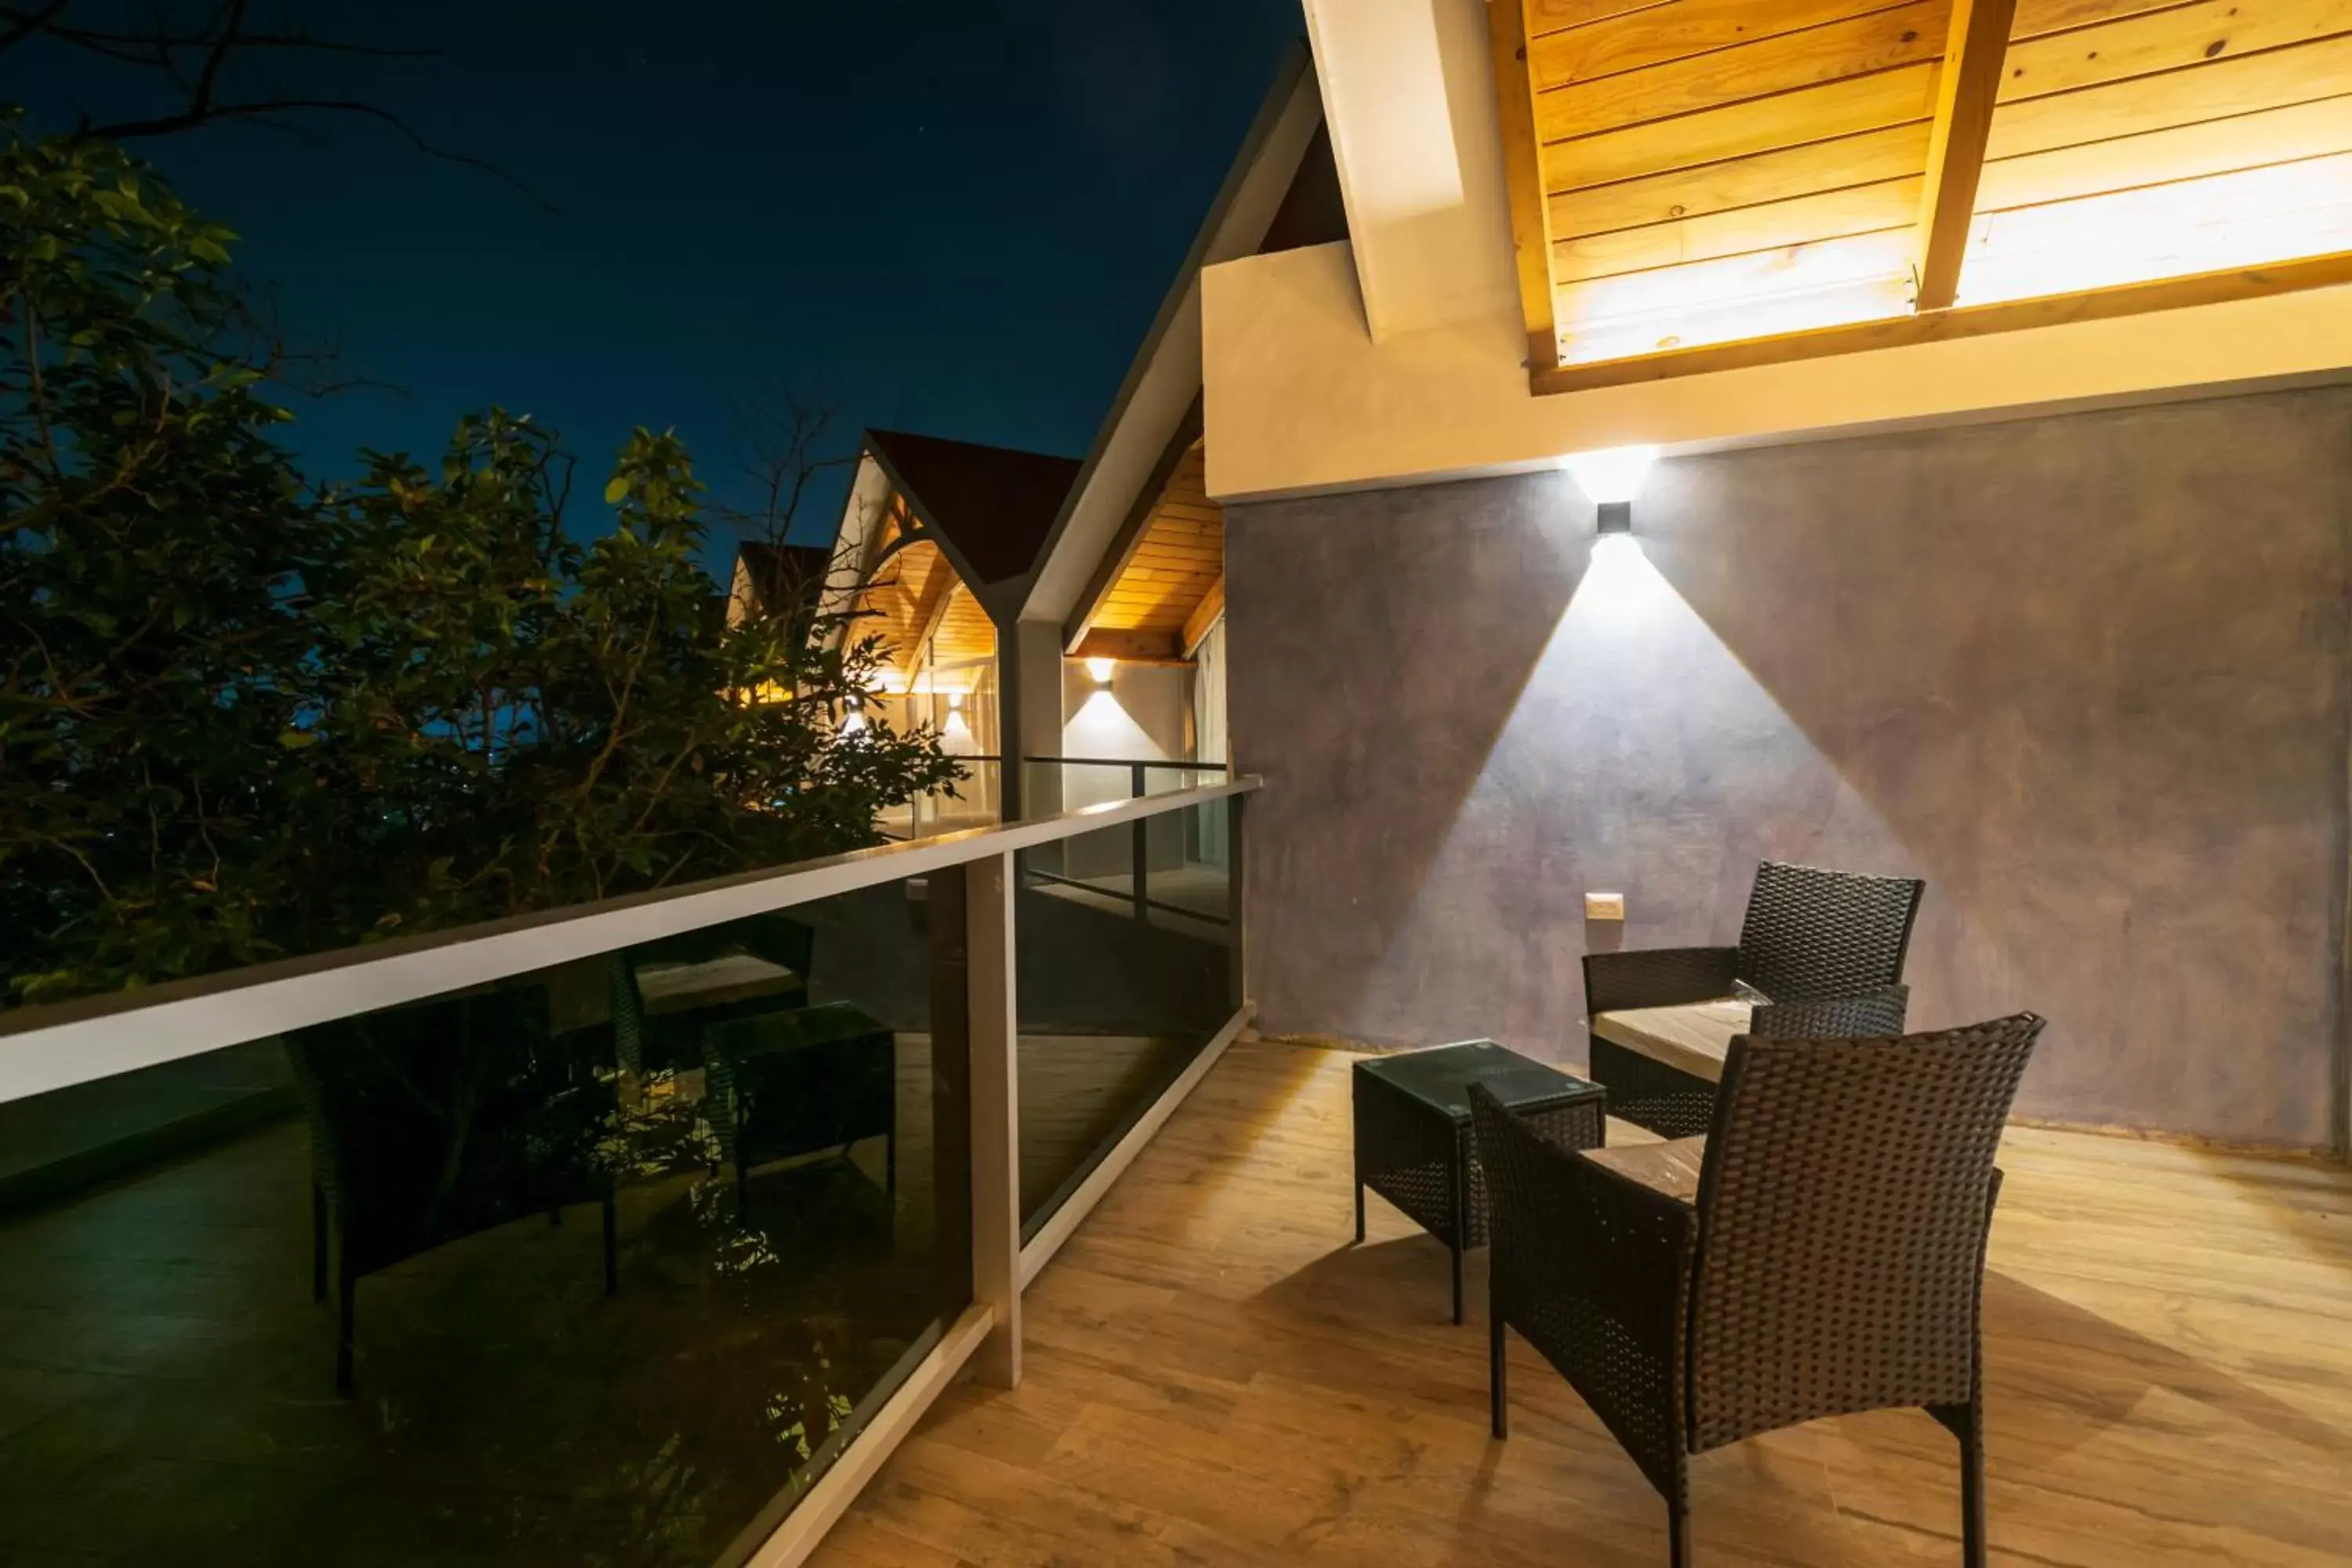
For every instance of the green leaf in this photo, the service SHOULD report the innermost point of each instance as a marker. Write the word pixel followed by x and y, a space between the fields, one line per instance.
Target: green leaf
pixel 616 490
pixel 296 740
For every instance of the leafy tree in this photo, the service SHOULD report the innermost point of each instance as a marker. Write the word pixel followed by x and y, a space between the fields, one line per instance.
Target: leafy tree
pixel 242 716
pixel 152 541
pixel 575 721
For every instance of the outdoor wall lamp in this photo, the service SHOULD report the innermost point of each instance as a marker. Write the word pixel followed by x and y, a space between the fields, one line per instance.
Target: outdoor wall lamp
pixel 1610 478
pixel 1099 670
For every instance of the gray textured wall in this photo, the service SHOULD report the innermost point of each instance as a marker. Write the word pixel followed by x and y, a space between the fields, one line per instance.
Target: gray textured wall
pixel 2086 675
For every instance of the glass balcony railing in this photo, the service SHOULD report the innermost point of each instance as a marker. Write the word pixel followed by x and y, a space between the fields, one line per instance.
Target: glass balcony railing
pixel 1051 787
pixel 597 1238
pixel 1118 994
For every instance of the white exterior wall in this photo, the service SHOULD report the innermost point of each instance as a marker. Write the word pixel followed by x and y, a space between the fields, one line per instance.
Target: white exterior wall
pixel 1301 399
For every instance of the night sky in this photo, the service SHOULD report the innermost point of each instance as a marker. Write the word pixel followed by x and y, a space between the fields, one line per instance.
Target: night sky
pixel 957 218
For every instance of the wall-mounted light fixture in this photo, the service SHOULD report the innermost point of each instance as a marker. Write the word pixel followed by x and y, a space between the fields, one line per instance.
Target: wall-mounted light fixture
pixel 1099 670
pixel 1610 478
pixel 955 701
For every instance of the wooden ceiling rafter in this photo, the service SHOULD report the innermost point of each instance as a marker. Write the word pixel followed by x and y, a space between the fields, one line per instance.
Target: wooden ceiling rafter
pixel 1698 183
pixel 904 531
pixel 939 591
pixel 1977 45
pixel 1523 171
pixel 963 631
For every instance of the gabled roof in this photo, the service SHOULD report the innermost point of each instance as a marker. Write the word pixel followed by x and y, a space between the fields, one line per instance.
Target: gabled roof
pixel 992 507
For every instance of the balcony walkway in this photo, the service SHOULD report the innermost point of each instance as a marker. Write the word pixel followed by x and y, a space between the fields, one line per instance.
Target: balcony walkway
pixel 1216 1377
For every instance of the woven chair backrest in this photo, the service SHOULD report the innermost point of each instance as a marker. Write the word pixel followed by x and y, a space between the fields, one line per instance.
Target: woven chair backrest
pixel 1813 933
pixel 1843 1213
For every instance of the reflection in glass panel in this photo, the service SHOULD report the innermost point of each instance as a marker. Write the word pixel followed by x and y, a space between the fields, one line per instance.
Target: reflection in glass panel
pixel 599 1266
pixel 973 798
pixel 1126 973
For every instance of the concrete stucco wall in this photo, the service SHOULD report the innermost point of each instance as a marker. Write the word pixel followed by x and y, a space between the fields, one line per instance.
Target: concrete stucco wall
pixel 2086 673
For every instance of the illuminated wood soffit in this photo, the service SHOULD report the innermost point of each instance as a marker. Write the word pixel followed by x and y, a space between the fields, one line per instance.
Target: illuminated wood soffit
pixel 1151 603
pixel 1700 172
pixel 913 598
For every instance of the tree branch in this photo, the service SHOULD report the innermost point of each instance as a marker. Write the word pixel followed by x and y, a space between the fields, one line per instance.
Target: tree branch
pixel 197 114
pixel 216 43
pixel 200 99
pixel 23 25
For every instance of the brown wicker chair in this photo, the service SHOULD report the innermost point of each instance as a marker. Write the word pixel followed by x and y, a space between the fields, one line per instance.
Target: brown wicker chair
pixel 1874 1015
pixel 1809 935
pixel 1830 1260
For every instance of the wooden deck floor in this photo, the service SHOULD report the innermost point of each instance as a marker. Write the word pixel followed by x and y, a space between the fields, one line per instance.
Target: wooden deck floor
pixel 1217 1377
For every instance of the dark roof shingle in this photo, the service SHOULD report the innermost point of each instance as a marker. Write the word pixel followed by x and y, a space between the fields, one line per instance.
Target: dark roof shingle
pixel 994 504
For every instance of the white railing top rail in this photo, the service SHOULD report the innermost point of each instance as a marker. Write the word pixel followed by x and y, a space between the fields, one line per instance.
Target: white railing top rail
pixel 45 1049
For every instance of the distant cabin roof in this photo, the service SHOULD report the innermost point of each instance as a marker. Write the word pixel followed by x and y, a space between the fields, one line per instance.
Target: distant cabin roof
pixel 995 505
pixel 778 572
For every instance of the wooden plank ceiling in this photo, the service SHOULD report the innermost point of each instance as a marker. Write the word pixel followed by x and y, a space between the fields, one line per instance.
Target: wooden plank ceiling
pixel 1697 171
pixel 914 598
pixel 1170 581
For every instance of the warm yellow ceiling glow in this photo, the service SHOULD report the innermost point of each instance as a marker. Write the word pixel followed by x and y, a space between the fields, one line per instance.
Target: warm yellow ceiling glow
pixel 1714 318
pixel 2238 220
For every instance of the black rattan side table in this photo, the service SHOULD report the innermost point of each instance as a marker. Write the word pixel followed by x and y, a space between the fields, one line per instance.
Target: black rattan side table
pixel 1413 1133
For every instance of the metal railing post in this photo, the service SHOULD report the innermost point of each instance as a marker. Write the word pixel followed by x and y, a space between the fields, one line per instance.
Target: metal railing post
pixel 1236 892
pixel 1141 844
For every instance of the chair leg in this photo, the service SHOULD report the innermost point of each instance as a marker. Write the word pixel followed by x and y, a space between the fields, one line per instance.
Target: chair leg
pixel 1359 1211
pixel 317 1242
pixel 346 1293
pixel 1497 1362
pixel 1967 1423
pixel 1461 1231
pixel 1678 1534
pixel 890 1166
pixel 612 1246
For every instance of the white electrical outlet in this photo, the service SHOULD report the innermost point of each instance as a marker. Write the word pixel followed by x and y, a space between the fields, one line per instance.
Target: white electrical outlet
pixel 1605 906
